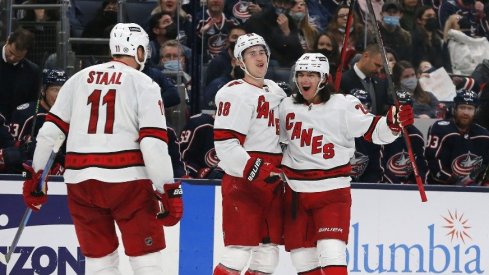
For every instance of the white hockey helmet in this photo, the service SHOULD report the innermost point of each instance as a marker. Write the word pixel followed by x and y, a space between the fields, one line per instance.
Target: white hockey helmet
pixel 249 40
pixel 312 62
pixel 126 38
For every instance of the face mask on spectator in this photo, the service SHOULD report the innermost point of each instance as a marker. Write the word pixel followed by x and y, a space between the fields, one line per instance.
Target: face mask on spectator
pixel 325 52
pixel 172 65
pixel 431 24
pixel 110 16
pixel 171 31
pixel 410 83
pixel 297 16
pixel 391 20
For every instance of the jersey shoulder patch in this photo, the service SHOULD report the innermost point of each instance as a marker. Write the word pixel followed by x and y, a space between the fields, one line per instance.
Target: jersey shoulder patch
pixel 23 106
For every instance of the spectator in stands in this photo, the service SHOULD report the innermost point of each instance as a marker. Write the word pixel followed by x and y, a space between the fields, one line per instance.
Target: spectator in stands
pixel 308 32
pixel 242 10
pixel 424 102
pixel 172 60
pixel 427 38
pixel 161 29
pixel 337 28
pixel 465 49
pixel 393 35
pixel 408 19
pixel 464 8
pixel 391 57
pixel 213 29
pixel 319 14
pixel 458 148
pixel 365 164
pixel 395 160
pixel 221 63
pixel 180 17
pixel 20 78
pixel 327 45
pixel 41 23
pixel 169 92
pixel 100 27
pixel 279 31
pixel 363 9
pixel 363 76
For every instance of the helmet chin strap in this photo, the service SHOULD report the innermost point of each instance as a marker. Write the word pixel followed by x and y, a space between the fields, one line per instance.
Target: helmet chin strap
pixel 243 67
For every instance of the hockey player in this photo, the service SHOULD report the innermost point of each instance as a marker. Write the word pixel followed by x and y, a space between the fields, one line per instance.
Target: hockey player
pixel 28 118
pixel 246 140
pixel 197 146
pixel 113 117
pixel 395 158
pixel 365 164
pixel 319 127
pixel 458 147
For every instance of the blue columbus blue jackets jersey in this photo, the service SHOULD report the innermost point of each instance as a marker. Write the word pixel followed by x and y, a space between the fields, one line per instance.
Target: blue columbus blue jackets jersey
pixel 197 144
pixel 23 119
pixel 395 158
pixel 452 155
pixel 365 165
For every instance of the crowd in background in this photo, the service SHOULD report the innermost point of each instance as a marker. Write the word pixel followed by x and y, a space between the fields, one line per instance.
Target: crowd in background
pixel 420 37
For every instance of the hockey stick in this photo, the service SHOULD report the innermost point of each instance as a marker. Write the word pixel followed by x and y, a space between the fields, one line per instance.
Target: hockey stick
pixel 5 258
pixel 380 42
pixel 339 69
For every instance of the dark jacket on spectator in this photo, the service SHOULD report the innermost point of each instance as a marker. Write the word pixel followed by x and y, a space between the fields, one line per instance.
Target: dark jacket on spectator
pixel 285 49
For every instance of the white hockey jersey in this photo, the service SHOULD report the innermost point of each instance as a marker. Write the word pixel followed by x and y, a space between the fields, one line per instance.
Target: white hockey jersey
pixel 114 120
pixel 246 122
pixel 320 140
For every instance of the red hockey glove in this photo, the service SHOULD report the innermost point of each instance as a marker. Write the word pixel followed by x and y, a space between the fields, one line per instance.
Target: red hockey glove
pixel 257 169
pixel 33 197
pixel 172 204
pixel 398 118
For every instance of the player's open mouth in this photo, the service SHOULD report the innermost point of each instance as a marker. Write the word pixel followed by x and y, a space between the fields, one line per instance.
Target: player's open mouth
pixel 306 88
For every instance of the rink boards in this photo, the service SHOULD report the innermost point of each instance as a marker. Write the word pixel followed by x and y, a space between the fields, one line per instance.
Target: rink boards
pixel 391 232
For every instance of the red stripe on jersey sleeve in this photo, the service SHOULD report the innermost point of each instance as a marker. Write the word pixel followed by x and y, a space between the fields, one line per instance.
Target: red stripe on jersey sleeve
pixel 368 135
pixel 113 160
pixel 154 133
pixel 220 135
pixel 63 126
pixel 317 174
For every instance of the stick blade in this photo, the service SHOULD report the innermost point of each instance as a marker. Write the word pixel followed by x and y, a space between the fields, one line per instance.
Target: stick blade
pixel 3 259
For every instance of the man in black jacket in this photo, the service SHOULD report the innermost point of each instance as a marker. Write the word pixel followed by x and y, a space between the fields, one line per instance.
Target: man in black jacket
pixel 363 76
pixel 20 79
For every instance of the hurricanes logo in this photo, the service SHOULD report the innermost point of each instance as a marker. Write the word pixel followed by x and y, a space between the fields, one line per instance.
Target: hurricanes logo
pixel 457 226
pixel 400 165
pixel 466 163
pixel 358 163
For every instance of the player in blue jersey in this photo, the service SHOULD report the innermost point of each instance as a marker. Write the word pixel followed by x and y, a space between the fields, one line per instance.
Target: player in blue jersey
pixel 457 149
pixel 395 158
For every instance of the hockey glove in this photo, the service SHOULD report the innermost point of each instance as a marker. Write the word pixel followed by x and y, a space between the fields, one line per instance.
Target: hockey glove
pixel 210 173
pixel 172 204
pixel 257 169
pixel 33 197
pixel 398 118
